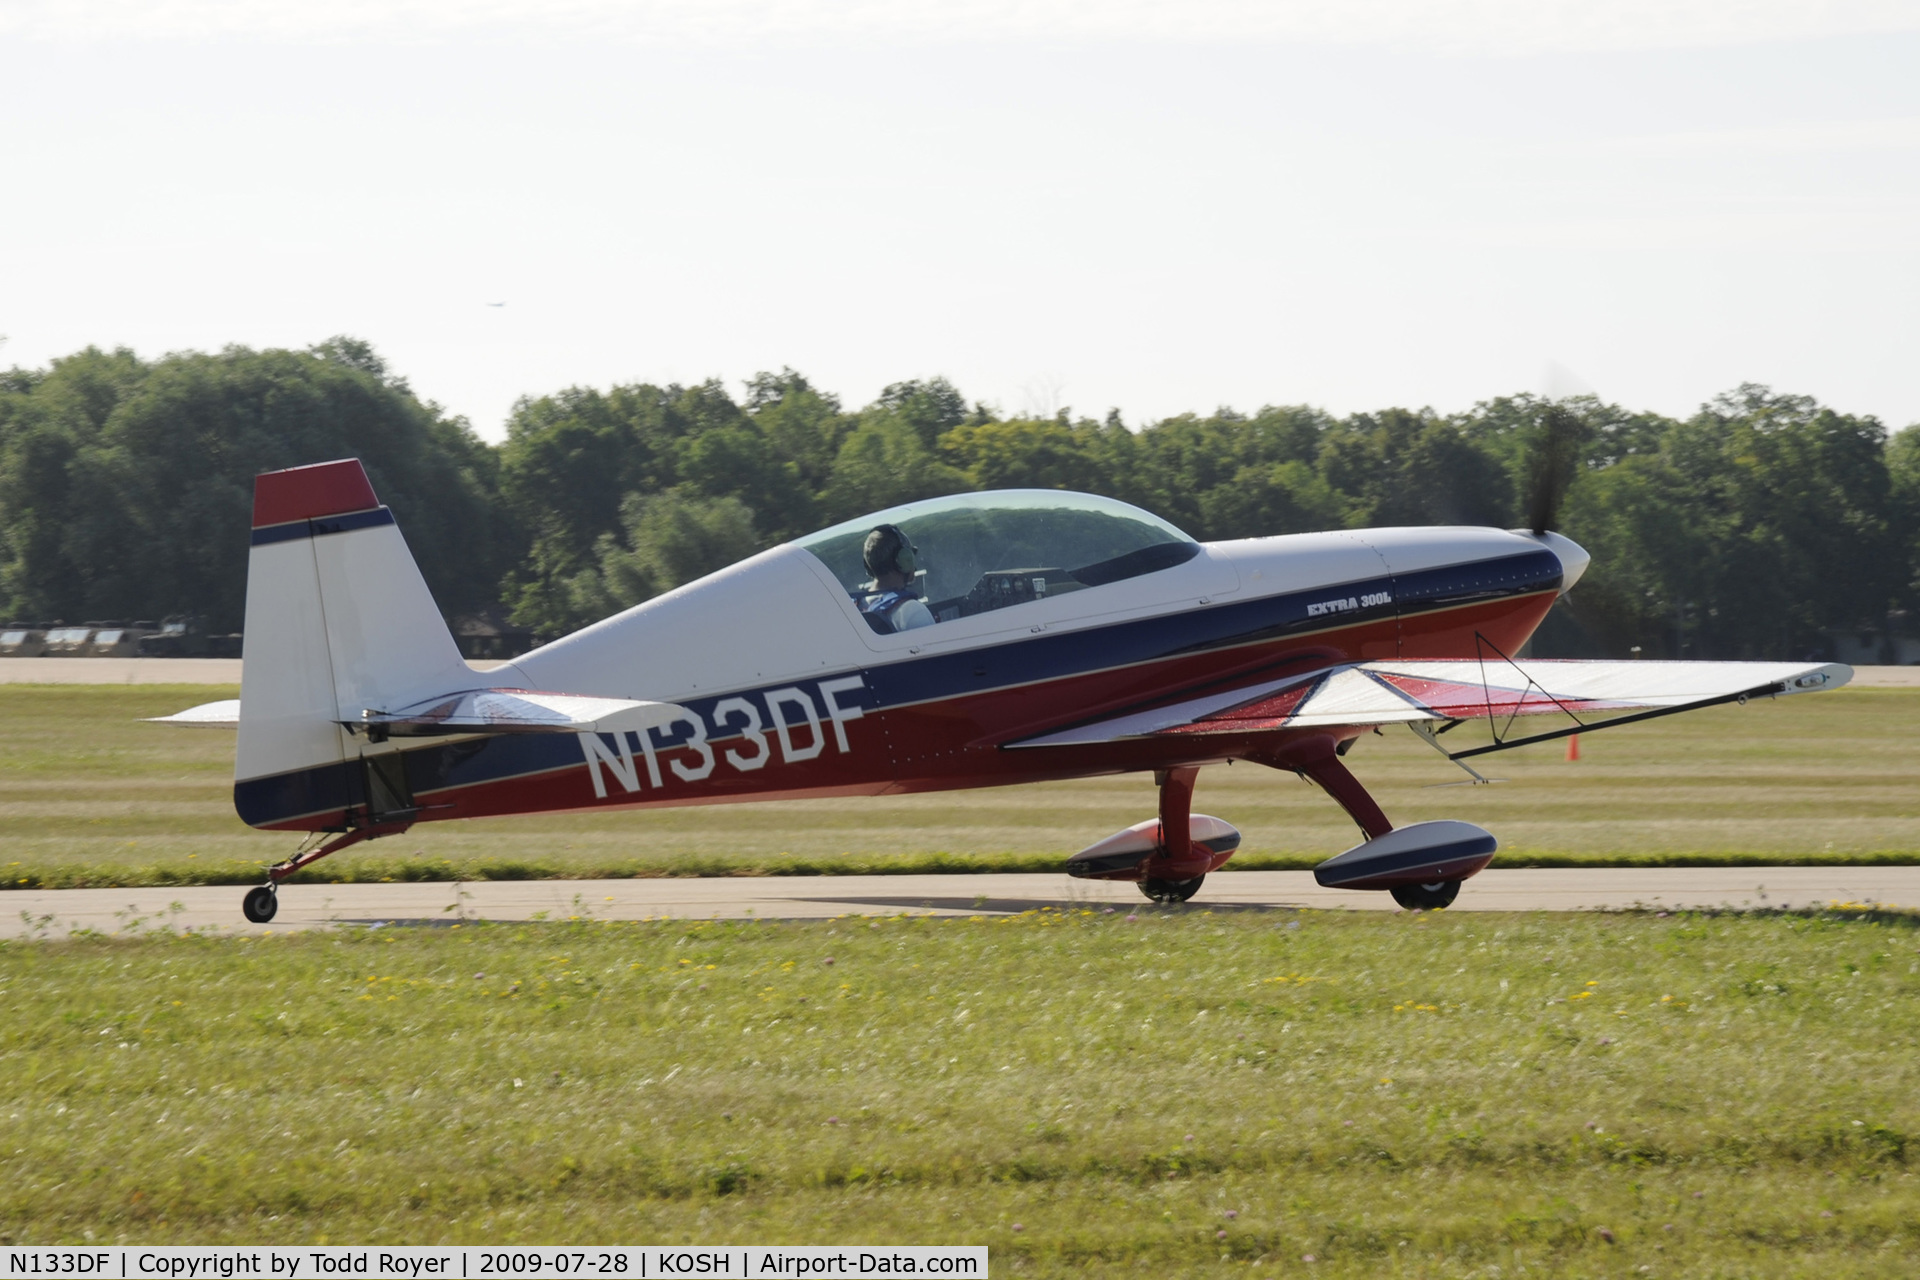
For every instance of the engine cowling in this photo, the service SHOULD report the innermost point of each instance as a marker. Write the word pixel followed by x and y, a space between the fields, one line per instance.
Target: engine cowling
pixel 1130 854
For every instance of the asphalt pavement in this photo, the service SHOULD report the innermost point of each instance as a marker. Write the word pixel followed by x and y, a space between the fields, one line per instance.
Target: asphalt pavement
pixel 57 913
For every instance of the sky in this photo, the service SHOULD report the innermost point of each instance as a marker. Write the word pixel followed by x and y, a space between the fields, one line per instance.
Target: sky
pixel 1157 207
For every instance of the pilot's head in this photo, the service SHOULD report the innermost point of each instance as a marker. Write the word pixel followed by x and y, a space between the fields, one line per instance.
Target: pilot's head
pixel 888 555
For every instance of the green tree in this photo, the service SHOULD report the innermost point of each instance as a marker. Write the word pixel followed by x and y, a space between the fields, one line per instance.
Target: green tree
pixel 886 462
pixel 1405 468
pixel 928 408
pixel 1748 531
pixel 1022 453
pixel 802 425
pixel 674 538
pixel 1903 502
pixel 1271 498
pixel 126 487
pixel 1803 496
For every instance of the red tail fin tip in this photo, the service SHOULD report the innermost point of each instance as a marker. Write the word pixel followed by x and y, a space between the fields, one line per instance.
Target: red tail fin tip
pixel 305 493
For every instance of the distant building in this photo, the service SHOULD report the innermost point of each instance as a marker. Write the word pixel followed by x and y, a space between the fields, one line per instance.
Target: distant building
pixel 1892 645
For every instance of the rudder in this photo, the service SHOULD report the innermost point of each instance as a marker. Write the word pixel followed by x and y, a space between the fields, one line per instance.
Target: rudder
pixel 339 621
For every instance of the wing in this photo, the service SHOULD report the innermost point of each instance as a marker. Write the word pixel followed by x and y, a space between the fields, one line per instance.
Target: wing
pixel 1444 692
pixel 483 711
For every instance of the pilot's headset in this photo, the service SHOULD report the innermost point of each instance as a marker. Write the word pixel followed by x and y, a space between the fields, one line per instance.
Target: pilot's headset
pixel 887 550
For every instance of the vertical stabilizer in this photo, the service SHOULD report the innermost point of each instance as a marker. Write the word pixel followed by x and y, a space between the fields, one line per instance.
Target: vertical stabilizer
pixel 339 621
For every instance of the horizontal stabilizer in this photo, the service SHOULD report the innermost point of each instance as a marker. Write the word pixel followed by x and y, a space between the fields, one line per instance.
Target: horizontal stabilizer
pixel 515 711
pixel 224 714
pixel 479 711
pixel 1413 692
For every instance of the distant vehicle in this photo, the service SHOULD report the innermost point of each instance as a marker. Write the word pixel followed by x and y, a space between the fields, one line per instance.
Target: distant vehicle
pixel 177 637
pixel 115 642
pixel 966 641
pixel 181 636
pixel 68 642
pixel 22 642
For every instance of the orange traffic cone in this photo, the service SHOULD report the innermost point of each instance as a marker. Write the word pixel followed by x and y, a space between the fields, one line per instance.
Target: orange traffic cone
pixel 1573 747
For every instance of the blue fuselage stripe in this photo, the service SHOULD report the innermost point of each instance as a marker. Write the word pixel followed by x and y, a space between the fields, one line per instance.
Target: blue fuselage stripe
pixel 320 526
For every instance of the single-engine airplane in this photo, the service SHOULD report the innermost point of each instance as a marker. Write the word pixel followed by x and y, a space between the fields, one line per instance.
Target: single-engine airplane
pixel 966 641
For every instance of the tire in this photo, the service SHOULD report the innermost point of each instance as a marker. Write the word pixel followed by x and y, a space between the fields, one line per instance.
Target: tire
pixel 1171 891
pixel 260 904
pixel 1426 897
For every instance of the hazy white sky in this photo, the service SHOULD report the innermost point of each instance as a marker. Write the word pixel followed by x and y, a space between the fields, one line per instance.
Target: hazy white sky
pixel 1352 203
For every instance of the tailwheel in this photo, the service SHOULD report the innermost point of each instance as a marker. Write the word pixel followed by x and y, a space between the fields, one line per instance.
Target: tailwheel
pixel 1426 897
pixel 260 903
pixel 1170 891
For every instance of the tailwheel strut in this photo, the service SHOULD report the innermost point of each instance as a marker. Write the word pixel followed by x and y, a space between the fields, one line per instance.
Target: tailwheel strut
pixel 262 901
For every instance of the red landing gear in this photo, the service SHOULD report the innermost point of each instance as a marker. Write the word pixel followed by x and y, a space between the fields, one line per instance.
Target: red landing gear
pixel 1422 865
pixel 1168 856
pixel 263 901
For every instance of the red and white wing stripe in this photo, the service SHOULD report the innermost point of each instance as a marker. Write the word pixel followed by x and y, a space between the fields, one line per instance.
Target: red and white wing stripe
pixel 1393 692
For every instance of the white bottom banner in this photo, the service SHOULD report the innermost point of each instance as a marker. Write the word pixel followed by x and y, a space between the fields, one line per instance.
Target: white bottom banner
pixel 507 1262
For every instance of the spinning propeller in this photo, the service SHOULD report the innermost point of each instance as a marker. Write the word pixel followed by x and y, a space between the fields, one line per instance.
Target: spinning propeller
pixel 1553 458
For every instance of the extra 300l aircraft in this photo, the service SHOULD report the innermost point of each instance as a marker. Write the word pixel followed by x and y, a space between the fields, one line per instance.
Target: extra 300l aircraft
pixel 966 641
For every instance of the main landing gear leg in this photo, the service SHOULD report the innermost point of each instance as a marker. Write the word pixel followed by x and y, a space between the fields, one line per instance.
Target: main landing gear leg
pixel 1448 852
pixel 1176 833
pixel 1338 781
pixel 263 901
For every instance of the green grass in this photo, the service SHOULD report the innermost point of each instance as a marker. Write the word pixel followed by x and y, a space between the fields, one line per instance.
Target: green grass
pixel 1173 1094
pixel 90 796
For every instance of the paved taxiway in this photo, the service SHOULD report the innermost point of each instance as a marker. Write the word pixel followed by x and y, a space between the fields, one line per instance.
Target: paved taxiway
pixel 56 913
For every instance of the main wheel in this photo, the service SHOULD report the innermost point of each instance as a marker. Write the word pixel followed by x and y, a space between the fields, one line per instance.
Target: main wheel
pixel 1426 897
pixel 260 904
pixel 1171 890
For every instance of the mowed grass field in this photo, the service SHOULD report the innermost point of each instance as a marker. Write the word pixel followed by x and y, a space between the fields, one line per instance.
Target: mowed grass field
pixel 1183 1093
pixel 88 794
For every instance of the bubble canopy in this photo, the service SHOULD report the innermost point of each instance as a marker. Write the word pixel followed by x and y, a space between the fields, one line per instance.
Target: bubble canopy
pixel 979 552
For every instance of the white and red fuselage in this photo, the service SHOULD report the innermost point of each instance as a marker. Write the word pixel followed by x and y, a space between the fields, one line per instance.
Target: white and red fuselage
pixel 788 692
pixel 1051 635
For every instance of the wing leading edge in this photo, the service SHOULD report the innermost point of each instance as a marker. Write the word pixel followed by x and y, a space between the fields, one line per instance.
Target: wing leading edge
pixel 1440 693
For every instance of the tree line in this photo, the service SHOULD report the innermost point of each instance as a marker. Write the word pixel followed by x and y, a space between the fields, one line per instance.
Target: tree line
pixel 1753 528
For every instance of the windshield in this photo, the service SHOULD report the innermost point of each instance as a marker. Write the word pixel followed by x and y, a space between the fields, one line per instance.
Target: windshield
pixel 976 552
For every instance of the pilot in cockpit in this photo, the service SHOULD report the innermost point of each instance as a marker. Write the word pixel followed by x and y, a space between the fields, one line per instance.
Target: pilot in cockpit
pixel 892 606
